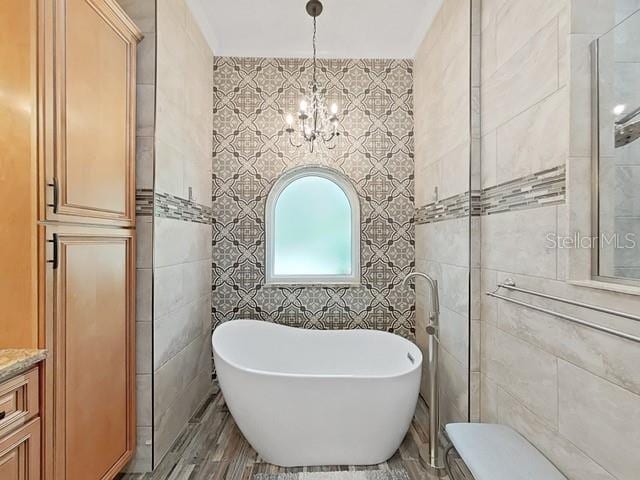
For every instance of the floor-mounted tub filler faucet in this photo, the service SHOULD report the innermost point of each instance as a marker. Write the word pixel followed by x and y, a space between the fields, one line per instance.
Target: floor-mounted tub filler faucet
pixel 435 457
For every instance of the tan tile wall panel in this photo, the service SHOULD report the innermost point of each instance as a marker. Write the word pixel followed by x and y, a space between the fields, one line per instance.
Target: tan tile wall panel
pixel 181 362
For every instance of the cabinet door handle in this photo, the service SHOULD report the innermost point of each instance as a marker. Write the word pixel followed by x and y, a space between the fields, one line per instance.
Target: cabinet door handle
pixel 54 185
pixel 54 242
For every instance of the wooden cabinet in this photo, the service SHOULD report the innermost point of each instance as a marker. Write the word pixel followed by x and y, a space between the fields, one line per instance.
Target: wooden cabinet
pixel 92 315
pixel 67 230
pixel 20 453
pixel 91 176
pixel 87 215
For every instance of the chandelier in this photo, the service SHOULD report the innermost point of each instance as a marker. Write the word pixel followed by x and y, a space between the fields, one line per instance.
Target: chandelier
pixel 316 122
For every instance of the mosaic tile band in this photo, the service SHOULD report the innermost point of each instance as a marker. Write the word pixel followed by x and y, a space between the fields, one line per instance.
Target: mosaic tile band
pixel 170 206
pixel 449 208
pixel 540 189
pixel 144 202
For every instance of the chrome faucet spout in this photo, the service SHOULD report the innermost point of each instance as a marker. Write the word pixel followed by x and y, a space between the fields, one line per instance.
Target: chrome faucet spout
pixel 433 289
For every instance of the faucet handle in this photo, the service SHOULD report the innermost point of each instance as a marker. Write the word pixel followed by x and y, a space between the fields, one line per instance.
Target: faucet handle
pixel 432 330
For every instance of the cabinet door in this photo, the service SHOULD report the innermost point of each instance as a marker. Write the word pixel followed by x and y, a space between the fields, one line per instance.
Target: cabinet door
pixel 92 178
pixel 92 316
pixel 20 454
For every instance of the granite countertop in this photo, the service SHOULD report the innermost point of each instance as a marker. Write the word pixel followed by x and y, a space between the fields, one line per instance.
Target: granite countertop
pixel 15 360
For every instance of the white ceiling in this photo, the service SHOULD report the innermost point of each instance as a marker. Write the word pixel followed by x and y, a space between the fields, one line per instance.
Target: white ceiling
pixel 346 28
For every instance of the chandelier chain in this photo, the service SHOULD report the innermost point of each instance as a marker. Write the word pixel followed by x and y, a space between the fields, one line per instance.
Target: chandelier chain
pixel 314 53
pixel 315 83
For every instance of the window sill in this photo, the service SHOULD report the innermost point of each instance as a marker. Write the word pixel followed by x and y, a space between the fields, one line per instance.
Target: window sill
pixel 316 284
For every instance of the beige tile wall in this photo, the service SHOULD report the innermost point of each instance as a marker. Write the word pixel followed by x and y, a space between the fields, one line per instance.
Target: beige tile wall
pixel 184 99
pixel 441 100
pixel 442 97
pixel 524 104
pixel 571 391
pixel 182 249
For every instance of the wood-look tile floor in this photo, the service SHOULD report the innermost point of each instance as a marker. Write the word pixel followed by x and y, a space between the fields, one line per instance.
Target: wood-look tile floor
pixel 212 448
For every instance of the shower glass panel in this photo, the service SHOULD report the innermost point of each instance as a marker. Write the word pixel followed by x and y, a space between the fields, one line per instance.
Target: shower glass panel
pixel 447 179
pixel 616 133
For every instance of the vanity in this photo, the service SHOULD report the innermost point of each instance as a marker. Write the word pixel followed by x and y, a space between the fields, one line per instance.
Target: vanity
pixel 20 407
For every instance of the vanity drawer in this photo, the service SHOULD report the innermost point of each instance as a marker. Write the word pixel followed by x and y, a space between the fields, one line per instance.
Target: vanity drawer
pixel 20 453
pixel 18 400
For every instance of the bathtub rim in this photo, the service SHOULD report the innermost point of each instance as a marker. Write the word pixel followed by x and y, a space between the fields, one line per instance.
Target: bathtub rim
pixel 416 366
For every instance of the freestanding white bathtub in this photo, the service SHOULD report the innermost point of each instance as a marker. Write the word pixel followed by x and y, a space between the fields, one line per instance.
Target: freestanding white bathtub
pixel 311 397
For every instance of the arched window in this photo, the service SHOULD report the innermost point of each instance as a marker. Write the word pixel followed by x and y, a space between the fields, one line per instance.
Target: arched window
pixel 313 229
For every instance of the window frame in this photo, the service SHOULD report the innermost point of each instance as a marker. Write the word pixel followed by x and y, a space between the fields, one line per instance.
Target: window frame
pixel 271 279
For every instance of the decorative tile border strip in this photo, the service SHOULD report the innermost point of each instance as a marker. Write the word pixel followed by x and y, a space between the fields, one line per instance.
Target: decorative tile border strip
pixel 144 202
pixel 540 189
pixel 457 206
pixel 170 206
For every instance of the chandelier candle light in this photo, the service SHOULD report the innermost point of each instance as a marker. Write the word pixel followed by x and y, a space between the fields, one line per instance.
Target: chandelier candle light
pixel 316 122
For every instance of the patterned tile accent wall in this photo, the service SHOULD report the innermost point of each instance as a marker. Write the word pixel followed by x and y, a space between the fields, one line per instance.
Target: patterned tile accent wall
pixel 251 100
pixel 540 189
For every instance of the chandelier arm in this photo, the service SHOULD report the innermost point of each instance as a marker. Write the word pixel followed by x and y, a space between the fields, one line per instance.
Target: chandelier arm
pixel 330 137
pixel 332 143
pixel 293 144
pixel 290 131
